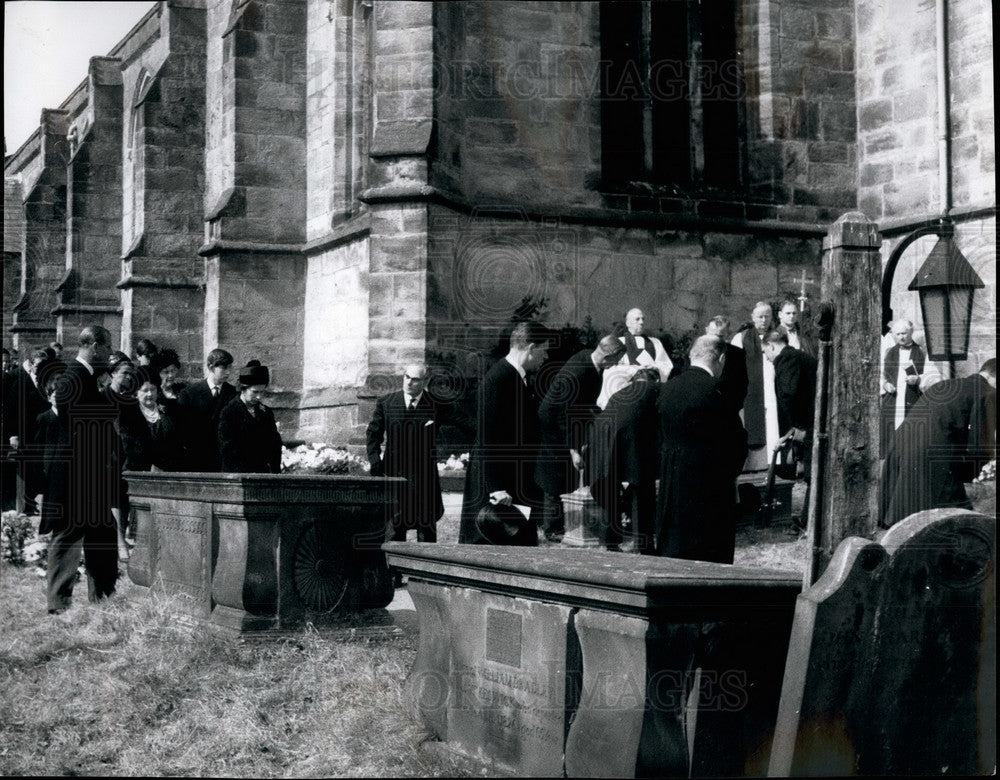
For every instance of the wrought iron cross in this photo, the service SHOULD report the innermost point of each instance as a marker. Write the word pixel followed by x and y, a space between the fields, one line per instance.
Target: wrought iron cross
pixel 802 290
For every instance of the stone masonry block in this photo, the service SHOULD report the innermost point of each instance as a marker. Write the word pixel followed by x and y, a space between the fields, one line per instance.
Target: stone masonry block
pixel 398 254
pixel 701 275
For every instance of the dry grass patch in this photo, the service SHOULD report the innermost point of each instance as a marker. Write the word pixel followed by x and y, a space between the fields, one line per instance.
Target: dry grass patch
pixel 125 688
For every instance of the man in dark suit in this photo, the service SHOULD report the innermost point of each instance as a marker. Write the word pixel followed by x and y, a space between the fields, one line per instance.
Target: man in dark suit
pixel 703 446
pixel 795 392
pixel 901 373
pixel 87 435
pixel 199 406
pixel 623 458
pixel 565 414
pixel 788 323
pixel 407 422
pixel 949 434
pixel 502 462
pixel 734 381
pixel 24 400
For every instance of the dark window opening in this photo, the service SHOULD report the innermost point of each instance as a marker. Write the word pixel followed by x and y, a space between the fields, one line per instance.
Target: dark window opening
pixel 672 95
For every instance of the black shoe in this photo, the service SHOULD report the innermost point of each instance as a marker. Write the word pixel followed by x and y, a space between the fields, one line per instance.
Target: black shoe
pixel 554 536
pixel 397 581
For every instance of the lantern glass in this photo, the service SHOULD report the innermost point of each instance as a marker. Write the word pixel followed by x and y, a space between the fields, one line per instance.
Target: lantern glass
pixel 947 316
pixel 933 306
pixel 960 309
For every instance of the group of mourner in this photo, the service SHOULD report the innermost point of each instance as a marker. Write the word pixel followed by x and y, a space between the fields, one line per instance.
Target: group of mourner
pixel 72 427
pixel 660 448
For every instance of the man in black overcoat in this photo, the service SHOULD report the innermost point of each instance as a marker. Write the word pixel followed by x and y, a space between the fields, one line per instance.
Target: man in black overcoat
pixel 407 422
pixel 24 400
pixel 703 446
pixel 502 461
pixel 949 434
pixel 199 406
pixel 88 437
pixel 623 460
pixel 564 416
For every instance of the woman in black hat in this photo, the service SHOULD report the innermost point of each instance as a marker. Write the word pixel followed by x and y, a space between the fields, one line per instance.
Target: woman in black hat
pixel 249 442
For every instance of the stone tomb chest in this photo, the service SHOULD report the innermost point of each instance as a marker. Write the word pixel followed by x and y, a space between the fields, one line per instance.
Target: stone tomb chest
pixel 251 552
pixel 548 661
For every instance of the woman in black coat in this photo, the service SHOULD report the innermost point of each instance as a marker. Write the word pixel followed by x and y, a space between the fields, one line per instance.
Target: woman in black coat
pixel 148 433
pixel 249 442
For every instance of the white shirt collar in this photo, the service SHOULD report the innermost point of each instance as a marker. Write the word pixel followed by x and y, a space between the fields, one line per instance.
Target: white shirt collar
pixel 85 364
pixel 407 398
pixel 520 371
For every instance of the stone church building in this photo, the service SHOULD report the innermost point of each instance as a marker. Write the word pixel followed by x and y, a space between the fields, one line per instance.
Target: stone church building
pixel 339 187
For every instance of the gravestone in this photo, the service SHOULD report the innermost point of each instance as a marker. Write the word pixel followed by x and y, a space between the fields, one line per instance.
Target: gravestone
pixel 259 552
pixel 548 661
pixel 891 663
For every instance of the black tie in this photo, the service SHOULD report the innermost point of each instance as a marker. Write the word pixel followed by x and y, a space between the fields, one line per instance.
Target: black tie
pixel 413 404
pixel 215 392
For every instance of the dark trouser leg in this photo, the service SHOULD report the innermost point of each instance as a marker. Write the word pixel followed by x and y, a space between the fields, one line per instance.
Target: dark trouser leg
pixel 613 507
pixel 100 556
pixel 427 531
pixel 643 508
pixel 63 562
pixel 553 520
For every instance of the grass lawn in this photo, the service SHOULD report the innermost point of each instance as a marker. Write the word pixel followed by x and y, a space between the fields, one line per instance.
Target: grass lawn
pixel 126 688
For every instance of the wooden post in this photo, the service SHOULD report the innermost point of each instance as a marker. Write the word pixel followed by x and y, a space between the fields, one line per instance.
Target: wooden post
pixel 851 277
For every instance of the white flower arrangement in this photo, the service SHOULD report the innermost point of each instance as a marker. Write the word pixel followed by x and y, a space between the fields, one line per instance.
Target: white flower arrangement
pixel 988 473
pixel 319 458
pixel 454 463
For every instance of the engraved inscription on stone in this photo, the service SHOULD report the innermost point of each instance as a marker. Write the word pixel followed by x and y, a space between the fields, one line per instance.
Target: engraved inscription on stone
pixel 182 546
pixel 503 637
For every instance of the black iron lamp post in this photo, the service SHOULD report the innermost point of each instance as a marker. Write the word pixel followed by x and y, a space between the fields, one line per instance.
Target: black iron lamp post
pixel 946 284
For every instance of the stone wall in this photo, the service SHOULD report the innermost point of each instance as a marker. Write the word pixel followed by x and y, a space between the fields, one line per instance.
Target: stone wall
pixel 164 180
pixel 800 106
pixel 86 293
pixel 41 163
pixel 899 173
pixel 481 267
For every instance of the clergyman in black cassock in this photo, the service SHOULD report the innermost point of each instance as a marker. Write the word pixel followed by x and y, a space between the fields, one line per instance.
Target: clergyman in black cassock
pixel 949 434
pixel 703 446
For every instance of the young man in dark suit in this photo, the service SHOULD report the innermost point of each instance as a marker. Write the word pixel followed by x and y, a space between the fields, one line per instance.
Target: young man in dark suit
pixel 87 435
pixel 24 399
pixel 703 446
pixel 199 406
pixel 502 464
pixel 565 414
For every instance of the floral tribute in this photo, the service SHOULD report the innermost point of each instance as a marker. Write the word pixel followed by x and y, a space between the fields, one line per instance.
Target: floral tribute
pixel 318 458
pixel 454 463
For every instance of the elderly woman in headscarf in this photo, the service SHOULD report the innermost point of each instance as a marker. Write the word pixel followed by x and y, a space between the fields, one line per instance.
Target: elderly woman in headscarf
pixel 249 442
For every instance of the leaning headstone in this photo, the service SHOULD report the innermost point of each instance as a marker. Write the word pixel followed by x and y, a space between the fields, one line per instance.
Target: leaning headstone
pixel 891 664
